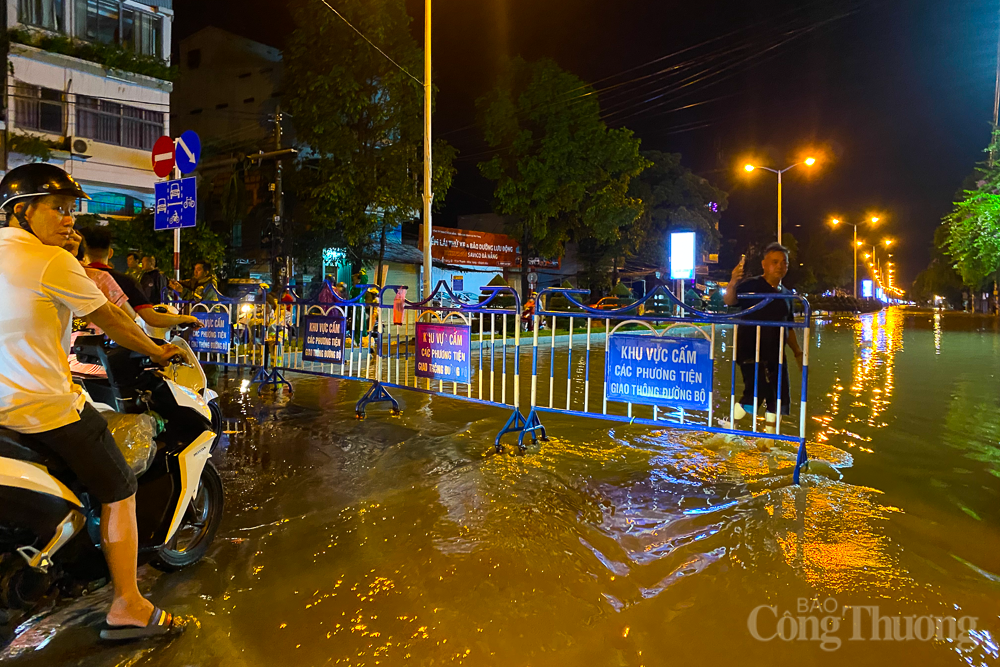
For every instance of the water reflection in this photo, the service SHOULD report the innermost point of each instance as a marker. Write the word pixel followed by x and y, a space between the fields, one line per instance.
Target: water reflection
pixel 406 540
pixel 878 338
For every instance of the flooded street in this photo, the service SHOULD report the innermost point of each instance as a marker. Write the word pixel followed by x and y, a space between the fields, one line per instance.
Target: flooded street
pixel 406 540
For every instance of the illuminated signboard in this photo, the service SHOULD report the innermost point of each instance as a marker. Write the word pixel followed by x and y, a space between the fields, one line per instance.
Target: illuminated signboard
pixel 682 264
pixel 867 289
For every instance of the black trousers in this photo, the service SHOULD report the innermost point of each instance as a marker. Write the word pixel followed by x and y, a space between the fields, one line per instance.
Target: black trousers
pixel 88 449
pixel 767 385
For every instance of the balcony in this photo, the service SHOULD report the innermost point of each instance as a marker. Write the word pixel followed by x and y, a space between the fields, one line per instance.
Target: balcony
pixel 106 32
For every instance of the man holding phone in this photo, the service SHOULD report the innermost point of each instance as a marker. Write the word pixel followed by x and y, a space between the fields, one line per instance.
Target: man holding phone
pixel 775 266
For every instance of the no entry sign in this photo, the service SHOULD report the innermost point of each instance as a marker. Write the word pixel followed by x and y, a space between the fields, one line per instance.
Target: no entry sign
pixel 163 156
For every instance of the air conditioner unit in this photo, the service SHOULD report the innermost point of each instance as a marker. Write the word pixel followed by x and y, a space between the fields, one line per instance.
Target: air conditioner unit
pixel 81 146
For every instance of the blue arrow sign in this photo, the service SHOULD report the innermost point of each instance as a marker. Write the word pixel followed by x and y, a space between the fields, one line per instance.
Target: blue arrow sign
pixel 176 204
pixel 188 152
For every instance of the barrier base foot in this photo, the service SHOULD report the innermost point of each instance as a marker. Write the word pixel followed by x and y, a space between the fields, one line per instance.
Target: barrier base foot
pixel 274 379
pixel 518 423
pixel 800 460
pixel 375 394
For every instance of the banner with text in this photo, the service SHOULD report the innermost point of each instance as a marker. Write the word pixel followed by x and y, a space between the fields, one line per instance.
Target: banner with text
pixel 465 247
pixel 324 339
pixel 443 351
pixel 215 334
pixel 663 371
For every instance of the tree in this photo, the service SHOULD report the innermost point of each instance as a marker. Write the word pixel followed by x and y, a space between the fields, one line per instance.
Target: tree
pixel 973 226
pixel 559 170
pixel 359 120
pixel 940 277
pixel 675 199
pixel 197 243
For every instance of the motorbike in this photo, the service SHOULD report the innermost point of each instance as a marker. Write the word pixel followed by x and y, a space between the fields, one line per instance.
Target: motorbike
pixel 50 527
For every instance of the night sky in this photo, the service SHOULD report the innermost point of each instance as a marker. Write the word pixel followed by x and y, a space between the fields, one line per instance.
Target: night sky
pixel 896 96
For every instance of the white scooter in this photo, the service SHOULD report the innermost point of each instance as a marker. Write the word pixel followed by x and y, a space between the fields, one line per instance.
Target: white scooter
pixel 49 527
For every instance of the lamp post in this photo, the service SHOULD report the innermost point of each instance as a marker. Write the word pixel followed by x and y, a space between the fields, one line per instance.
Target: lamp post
pixel 809 161
pixel 428 194
pixel 836 221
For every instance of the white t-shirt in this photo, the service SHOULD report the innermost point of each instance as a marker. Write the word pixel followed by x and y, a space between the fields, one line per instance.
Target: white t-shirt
pixel 41 289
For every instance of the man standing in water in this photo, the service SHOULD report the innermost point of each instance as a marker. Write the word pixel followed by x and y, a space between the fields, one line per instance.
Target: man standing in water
pixel 775 266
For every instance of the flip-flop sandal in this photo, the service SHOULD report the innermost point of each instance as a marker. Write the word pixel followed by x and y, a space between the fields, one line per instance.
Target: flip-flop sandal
pixel 160 623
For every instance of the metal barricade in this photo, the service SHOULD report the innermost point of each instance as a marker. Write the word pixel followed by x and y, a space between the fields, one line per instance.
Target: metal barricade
pixel 473 352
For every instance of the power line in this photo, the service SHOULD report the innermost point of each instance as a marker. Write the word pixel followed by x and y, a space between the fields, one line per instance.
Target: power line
pixel 791 32
pixel 373 45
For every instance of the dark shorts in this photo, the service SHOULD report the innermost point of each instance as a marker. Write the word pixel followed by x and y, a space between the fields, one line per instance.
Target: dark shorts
pixel 767 385
pixel 89 451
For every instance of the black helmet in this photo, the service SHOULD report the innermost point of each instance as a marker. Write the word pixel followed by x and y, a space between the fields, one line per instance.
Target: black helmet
pixel 37 180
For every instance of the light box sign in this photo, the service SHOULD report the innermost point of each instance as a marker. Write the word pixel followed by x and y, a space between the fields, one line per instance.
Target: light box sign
pixel 324 339
pixel 215 334
pixel 682 263
pixel 443 352
pixel 867 289
pixel 659 370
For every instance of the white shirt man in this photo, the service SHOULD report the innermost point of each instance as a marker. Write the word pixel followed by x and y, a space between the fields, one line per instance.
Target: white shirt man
pixel 43 287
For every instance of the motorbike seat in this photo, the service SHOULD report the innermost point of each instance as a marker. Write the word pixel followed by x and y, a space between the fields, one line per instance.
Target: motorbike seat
pixel 23 447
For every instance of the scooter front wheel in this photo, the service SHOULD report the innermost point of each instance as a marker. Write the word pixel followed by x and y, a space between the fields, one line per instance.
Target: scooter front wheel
pixel 197 530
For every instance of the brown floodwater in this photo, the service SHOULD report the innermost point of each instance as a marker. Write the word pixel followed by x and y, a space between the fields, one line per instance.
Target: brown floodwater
pixel 404 540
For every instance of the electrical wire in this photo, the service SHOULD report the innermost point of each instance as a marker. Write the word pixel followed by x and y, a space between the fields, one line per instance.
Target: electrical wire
pixel 373 45
pixel 620 89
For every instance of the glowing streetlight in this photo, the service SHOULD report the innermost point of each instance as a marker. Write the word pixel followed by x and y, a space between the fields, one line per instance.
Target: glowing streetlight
pixel 887 242
pixel 809 161
pixel 857 244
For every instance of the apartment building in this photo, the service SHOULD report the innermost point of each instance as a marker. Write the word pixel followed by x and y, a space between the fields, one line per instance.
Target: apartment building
pixel 87 87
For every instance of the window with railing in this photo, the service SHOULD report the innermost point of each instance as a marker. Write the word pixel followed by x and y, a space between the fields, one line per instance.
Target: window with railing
pixel 37 108
pixel 118 124
pixel 111 22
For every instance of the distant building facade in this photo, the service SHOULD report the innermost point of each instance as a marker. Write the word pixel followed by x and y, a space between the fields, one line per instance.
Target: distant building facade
pixel 228 90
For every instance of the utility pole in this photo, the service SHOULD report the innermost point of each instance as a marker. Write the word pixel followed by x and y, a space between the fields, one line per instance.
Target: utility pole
pixel 428 195
pixel 279 264
pixel 996 112
pixel 779 206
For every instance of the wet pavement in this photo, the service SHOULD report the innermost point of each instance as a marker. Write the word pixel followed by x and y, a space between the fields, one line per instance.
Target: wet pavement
pixel 405 540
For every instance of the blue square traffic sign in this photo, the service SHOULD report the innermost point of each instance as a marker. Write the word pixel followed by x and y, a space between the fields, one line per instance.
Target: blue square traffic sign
pixel 176 204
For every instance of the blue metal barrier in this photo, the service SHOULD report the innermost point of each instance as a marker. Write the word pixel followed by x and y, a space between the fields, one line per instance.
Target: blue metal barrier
pixel 377 341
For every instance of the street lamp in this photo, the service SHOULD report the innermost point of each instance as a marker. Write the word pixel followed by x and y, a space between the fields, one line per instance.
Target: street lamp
pixel 857 244
pixel 809 161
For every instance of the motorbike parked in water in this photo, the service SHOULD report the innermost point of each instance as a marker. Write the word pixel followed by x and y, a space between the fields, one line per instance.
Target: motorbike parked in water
pixel 50 527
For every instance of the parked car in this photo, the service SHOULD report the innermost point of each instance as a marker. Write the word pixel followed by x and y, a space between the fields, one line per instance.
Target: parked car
pixel 616 303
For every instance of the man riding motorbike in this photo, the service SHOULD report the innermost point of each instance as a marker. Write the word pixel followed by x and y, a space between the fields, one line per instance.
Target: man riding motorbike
pixel 45 286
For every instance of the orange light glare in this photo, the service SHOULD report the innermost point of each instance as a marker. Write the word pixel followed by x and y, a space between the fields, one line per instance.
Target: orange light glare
pixel 749 167
pixel 810 161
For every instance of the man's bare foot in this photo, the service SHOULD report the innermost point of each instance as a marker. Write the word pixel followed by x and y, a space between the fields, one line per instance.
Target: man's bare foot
pixel 129 612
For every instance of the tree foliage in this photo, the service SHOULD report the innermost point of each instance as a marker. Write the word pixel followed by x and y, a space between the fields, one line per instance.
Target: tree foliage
pixel 559 170
pixel 359 119
pixel 940 277
pixel 973 226
pixel 676 199
pixel 197 243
